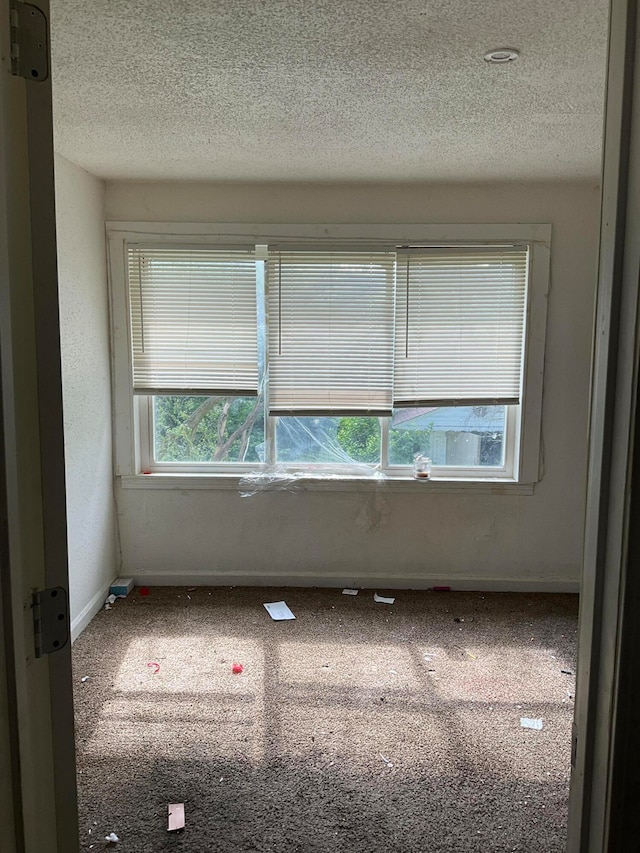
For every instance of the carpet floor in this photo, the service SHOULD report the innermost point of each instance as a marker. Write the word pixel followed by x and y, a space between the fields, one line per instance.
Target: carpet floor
pixel 359 727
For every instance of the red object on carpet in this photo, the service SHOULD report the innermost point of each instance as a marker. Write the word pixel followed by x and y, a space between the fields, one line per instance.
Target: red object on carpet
pixel 237 668
pixel 144 590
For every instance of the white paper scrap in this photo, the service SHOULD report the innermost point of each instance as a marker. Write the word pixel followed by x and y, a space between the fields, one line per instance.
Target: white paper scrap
pixel 176 817
pixel 528 723
pixel 381 599
pixel 349 591
pixel 278 611
pixel 112 838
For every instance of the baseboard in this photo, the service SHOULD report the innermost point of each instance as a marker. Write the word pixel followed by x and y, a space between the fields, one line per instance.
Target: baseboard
pixel 474 584
pixel 463 584
pixel 87 613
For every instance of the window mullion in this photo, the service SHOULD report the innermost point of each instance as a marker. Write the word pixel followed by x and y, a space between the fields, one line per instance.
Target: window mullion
pixel 263 306
pixel 144 433
pixel 511 436
pixel 384 443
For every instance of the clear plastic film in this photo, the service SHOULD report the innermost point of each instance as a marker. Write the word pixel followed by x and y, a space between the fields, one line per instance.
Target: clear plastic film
pixel 318 448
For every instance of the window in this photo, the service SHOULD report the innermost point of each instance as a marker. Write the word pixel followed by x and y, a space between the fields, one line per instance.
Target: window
pixel 207 429
pixel 464 436
pixel 328 440
pixel 324 350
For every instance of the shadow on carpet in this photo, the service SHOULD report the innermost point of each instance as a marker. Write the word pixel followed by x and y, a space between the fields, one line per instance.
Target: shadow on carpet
pixel 358 727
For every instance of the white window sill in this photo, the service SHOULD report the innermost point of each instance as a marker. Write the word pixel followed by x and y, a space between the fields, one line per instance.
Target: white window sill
pixel 231 482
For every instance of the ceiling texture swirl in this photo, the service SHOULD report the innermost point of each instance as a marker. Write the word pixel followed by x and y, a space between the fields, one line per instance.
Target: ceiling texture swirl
pixel 328 90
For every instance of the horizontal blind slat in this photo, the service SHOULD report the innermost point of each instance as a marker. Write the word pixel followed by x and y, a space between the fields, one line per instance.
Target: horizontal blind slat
pixel 193 314
pixel 330 331
pixel 460 318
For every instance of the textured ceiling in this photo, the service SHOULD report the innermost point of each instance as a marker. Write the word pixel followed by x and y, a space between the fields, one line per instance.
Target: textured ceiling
pixel 329 90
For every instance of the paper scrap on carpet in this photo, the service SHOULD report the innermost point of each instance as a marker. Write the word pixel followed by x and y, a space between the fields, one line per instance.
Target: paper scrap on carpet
pixel 528 723
pixel 382 600
pixel 176 817
pixel 349 591
pixel 278 611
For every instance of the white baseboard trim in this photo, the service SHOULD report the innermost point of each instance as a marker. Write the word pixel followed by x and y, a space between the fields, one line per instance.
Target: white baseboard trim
pixel 87 613
pixel 469 584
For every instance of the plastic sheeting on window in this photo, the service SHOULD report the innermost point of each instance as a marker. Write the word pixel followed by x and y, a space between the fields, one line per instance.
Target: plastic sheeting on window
pixel 308 448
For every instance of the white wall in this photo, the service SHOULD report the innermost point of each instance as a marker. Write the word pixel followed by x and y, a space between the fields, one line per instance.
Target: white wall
pixel 468 541
pixel 84 329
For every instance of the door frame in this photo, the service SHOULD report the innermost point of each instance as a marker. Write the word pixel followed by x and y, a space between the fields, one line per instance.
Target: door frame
pixel 603 635
pixel 36 709
pixel 36 720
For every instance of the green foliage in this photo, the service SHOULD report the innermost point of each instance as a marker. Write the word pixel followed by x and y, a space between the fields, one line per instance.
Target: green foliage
pixel 196 429
pixel 199 429
pixel 360 438
pixel 404 444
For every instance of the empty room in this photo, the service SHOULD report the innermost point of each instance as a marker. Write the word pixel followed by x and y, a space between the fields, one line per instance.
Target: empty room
pixel 327 281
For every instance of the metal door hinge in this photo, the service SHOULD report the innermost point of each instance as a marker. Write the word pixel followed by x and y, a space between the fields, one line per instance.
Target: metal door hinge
pixel 50 620
pixel 574 745
pixel 29 41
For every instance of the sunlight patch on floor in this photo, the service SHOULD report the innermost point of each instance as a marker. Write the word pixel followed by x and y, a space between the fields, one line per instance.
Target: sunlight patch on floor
pixel 189 664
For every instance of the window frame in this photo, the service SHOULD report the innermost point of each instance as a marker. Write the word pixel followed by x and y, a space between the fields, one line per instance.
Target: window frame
pixel 443 472
pixel 132 418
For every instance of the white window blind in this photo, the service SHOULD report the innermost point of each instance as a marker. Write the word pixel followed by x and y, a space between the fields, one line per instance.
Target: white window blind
pixel 193 321
pixel 330 332
pixel 460 316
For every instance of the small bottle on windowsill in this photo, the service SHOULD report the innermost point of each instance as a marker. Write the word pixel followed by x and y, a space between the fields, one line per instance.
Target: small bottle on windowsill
pixel 421 467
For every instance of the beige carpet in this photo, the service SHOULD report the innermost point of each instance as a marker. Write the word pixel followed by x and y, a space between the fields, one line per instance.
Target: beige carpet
pixel 358 727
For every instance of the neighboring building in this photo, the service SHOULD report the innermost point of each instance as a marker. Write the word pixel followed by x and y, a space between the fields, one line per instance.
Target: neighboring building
pixel 461 435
